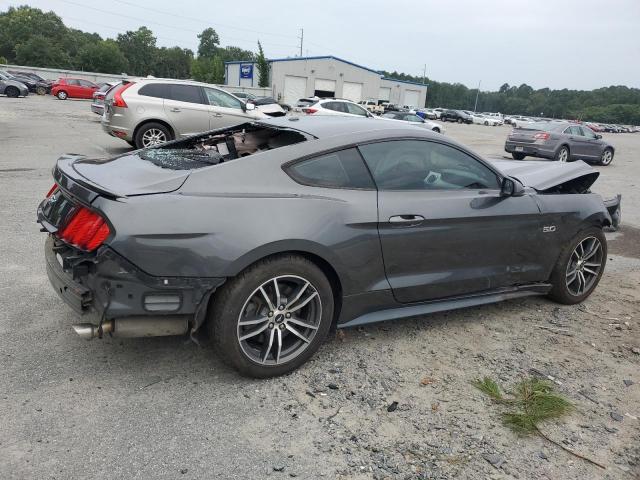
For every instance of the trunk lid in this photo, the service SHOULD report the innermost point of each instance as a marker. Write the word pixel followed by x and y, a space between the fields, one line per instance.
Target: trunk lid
pixel 523 135
pixel 545 175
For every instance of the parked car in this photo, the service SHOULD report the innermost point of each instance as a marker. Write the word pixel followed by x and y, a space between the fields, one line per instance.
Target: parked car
pixel 269 234
pixel 335 106
pixel 12 88
pixel 35 83
pixel 67 87
pixel 428 113
pixel 561 141
pixel 97 105
pixel 303 103
pixel 455 116
pixel 372 106
pixel 413 119
pixel 151 111
pixel 481 119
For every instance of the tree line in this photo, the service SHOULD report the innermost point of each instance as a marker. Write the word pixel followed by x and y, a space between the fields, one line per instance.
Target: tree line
pixel 29 36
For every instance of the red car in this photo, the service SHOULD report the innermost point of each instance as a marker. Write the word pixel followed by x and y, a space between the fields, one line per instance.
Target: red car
pixel 73 88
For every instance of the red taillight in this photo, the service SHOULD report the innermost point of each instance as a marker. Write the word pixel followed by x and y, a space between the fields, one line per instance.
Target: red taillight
pixel 86 230
pixel 309 111
pixel 541 136
pixel 118 101
pixel 51 190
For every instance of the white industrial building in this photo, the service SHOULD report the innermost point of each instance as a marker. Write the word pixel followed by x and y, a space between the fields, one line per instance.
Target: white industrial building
pixel 293 78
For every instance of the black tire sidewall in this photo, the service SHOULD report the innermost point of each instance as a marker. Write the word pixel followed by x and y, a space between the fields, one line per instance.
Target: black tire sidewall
pixel 147 126
pixel 559 291
pixel 227 303
pixel 602 156
pixel 561 149
pixel 12 92
pixel 65 95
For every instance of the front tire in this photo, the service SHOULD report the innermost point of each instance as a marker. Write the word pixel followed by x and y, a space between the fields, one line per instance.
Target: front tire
pixel 579 267
pixel 262 337
pixel 62 95
pixel 151 134
pixel 607 157
pixel 459 120
pixel 12 92
pixel 41 90
pixel 563 154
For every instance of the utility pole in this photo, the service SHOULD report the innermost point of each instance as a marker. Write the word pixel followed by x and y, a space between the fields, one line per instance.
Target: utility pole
pixel 424 74
pixel 477 93
pixel 301 40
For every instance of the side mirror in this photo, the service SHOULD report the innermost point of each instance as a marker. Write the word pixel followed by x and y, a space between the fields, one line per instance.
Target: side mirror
pixel 249 106
pixel 511 188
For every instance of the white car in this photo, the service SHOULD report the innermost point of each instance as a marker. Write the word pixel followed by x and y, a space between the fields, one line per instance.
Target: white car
pixel 413 119
pixel 480 119
pixel 335 106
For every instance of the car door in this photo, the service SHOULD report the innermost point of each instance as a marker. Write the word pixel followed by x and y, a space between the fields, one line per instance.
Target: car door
pixel 593 145
pixel 72 88
pixel 86 88
pixel 353 109
pixel 577 142
pixel 187 109
pixel 445 230
pixel 225 110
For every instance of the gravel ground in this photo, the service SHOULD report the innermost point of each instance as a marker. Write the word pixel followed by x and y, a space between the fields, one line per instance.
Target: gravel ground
pixel 166 408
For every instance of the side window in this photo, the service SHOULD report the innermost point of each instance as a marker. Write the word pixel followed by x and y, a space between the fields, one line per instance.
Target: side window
pixel 157 90
pixel 86 83
pixel 587 132
pixel 423 165
pixel 186 93
pixel 574 131
pixel 354 109
pixel 343 169
pixel 413 118
pixel 335 106
pixel 218 98
pixel 72 81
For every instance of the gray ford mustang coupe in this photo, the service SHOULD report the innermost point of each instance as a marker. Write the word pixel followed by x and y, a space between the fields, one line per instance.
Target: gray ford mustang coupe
pixel 270 234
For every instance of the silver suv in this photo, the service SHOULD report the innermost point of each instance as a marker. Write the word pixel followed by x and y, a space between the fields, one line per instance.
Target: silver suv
pixel 146 112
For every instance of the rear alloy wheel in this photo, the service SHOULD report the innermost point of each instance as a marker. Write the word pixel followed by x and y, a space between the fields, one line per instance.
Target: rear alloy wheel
pixel 579 267
pixel 62 95
pixel 563 154
pixel 271 318
pixel 607 157
pixel 12 92
pixel 518 156
pixel 41 91
pixel 152 134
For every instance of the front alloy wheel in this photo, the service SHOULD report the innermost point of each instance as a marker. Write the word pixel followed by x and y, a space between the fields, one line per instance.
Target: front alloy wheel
pixel 279 320
pixel 584 266
pixel 607 157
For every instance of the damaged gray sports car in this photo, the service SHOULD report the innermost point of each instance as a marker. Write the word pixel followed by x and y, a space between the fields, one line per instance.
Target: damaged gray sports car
pixel 270 234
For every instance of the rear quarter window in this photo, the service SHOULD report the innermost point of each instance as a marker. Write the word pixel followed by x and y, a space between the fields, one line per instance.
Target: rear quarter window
pixel 342 169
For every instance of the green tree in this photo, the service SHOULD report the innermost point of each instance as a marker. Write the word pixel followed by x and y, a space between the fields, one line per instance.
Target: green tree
pixel 104 56
pixel 173 62
pixel 209 43
pixel 38 51
pixel 208 70
pixel 139 47
pixel 263 67
pixel 3 60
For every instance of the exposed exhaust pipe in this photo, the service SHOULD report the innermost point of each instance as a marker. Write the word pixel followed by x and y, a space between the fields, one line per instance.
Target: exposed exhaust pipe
pixel 132 327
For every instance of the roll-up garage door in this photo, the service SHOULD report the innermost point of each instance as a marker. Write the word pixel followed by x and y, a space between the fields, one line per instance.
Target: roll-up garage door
pixel 325 88
pixel 385 94
pixel 412 98
pixel 295 88
pixel 352 91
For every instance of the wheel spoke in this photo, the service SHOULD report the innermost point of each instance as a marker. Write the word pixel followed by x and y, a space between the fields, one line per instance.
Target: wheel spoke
pixel 572 272
pixel 583 282
pixel 299 294
pixel 279 346
pixel 255 332
pixel 304 302
pixel 297 321
pixel 588 270
pixel 297 333
pixel 267 299
pixel 277 290
pixel 572 279
pixel 592 252
pixel 244 323
pixel 592 264
pixel 266 353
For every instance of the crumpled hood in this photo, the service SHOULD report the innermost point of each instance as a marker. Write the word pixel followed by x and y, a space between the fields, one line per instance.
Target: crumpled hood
pixel 543 175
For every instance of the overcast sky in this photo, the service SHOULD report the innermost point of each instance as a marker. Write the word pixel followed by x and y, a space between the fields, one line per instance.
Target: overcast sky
pixel 581 44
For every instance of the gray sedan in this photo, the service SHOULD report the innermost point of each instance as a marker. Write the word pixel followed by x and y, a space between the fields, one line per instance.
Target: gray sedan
pixel 562 141
pixel 269 234
pixel 12 88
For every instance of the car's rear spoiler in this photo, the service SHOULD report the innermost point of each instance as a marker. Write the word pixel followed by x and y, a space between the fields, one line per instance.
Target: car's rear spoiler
pixel 73 183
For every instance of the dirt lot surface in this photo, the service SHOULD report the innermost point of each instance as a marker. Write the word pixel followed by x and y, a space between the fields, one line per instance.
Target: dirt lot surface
pixel 166 408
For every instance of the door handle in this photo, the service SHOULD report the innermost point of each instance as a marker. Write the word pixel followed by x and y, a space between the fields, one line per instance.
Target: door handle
pixel 217 115
pixel 176 110
pixel 406 219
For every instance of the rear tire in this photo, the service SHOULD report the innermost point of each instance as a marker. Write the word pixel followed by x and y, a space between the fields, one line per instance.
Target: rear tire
pixel 563 154
pixel 566 288
pixel 12 92
pixel 151 134
pixel 41 90
pixel 241 300
pixel 607 157
pixel 518 156
pixel 459 120
pixel 62 95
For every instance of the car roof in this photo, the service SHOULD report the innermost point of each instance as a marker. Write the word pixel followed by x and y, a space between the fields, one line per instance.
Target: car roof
pixel 331 126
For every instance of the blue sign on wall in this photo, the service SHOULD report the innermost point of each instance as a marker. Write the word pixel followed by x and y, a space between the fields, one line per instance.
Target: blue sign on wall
pixel 246 70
